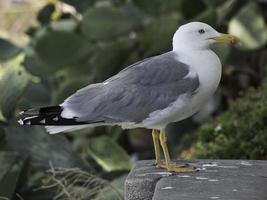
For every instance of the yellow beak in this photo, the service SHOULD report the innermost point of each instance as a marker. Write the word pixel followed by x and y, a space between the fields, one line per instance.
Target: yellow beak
pixel 227 38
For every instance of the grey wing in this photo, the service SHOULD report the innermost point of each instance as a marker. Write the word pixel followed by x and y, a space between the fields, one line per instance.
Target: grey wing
pixel 134 93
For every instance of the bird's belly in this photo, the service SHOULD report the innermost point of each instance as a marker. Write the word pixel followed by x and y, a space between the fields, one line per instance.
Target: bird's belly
pixel 184 107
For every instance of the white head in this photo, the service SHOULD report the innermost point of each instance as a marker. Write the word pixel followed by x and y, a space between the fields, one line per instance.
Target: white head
pixel 198 36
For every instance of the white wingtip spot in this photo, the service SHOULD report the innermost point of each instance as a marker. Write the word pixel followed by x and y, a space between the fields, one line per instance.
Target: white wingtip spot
pixel 31 117
pixel 68 114
pixel 21 122
pixel 55 118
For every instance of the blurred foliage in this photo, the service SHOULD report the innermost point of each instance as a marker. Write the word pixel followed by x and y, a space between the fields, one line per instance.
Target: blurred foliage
pixel 249 25
pixel 76 184
pixel 239 133
pixel 97 148
pixel 84 41
pixel 7 49
pixel 12 172
pixel 14 79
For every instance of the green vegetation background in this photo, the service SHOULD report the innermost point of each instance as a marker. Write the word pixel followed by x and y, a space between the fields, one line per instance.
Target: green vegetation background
pixel 79 42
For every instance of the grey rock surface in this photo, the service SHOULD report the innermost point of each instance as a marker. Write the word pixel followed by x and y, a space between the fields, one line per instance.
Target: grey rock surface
pixel 215 179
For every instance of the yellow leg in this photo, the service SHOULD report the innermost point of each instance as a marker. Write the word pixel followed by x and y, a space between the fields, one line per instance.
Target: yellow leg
pixel 163 142
pixel 168 164
pixel 155 136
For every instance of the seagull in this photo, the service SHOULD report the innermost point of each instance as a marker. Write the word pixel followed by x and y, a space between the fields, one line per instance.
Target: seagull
pixel 149 94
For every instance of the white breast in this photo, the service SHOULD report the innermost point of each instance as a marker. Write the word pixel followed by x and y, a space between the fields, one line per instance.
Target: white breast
pixel 207 66
pixel 209 69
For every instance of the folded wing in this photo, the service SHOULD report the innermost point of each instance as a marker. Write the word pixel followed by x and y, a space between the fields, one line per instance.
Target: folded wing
pixel 134 93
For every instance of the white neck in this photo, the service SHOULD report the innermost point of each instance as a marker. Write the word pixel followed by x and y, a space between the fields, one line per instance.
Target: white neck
pixel 205 63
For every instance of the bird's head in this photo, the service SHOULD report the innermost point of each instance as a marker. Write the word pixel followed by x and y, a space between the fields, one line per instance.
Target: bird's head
pixel 198 35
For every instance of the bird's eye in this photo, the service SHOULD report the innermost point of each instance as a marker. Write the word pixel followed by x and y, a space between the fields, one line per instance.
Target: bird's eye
pixel 201 31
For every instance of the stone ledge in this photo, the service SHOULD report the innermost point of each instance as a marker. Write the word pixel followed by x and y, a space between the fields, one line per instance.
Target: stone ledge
pixel 216 179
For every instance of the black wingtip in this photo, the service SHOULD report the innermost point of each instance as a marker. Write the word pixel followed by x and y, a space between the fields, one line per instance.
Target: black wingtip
pixel 39 116
pixel 43 111
pixel 46 116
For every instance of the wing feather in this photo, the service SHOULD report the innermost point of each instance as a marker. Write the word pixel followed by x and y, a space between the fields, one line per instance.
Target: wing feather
pixel 134 93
